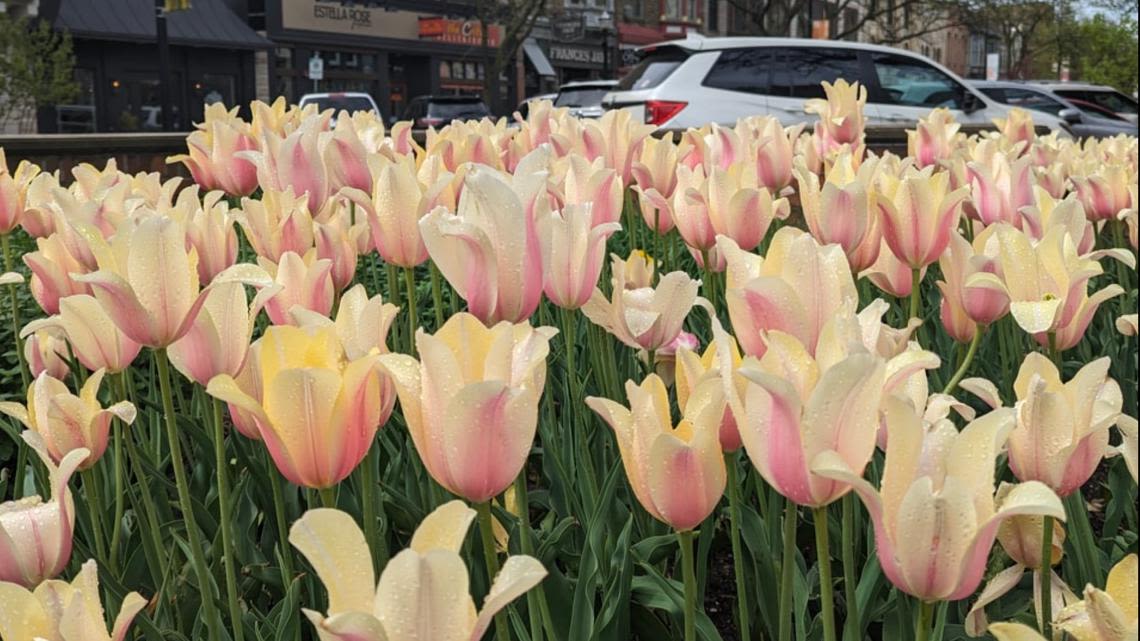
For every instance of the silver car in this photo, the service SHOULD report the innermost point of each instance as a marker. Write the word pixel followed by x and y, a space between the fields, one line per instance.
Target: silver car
pixel 584 98
pixel 697 81
pixel 1087 120
pixel 1100 95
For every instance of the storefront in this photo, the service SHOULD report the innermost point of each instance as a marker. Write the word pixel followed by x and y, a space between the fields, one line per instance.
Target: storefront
pixel 392 54
pixel 211 60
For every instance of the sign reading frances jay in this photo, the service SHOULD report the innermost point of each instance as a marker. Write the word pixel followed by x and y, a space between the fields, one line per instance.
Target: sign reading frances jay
pixel 577 56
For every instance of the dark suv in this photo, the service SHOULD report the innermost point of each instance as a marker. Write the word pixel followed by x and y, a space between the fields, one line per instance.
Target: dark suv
pixel 436 111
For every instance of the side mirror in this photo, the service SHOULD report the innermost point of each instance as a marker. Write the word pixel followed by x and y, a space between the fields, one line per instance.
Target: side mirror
pixel 971 103
pixel 1070 115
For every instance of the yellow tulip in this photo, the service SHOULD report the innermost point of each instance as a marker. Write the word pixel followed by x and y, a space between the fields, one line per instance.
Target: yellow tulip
pixel 423 592
pixel 1105 615
pixel 643 317
pixel 62 611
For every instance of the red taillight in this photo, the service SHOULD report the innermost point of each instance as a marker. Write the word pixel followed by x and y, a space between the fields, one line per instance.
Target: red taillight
pixel 658 112
pixel 424 123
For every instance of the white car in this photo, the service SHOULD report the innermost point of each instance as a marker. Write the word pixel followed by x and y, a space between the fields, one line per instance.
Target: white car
pixel 344 101
pixel 1105 97
pixel 697 81
pixel 584 98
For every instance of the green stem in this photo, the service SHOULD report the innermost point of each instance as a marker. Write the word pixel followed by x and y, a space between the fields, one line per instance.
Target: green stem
pixel 491 558
pixel 282 523
pixel 150 525
pixel 915 293
pixel 538 610
pixel 225 512
pixel 690 576
pixel 395 297
pixel 979 330
pixel 570 336
pixel 413 314
pixel 436 294
pixel 742 602
pixel 328 497
pixel 826 596
pixel 851 627
pixel 120 494
pixel 1044 572
pixel 193 535
pixel 1054 353
pixel 925 620
pixel 25 376
pixel 787 567
pixel 377 544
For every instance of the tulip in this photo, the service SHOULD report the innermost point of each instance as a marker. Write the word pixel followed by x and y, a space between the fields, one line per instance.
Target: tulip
pixel 61 611
pixel 1105 191
pixel 488 250
pixel 665 359
pixel 840 211
pixel 676 473
pixel 276 223
pixel 294 162
pixel 45 351
pixel 302 282
pixel 1062 428
pixel 209 231
pixel 218 340
pixel 841 121
pixel 1047 285
pixel 1065 212
pixel 53 267
pixel 655 174
pixel 1014 632
pixel 690 209
pixel 972 294
pixel 1105 615
pixel 337 241
pixel 592 184
pixel 92 335
pixel 918 212
pixel 934 139
pixel 572 251
pixel 148 282
pixel 692 370
pixel 796 288
pixel 643 317
pixel 66 422
pixel 361 323
pixel 13 192
pixel 1017 126
pixel 345 153
pixel 318 411
pixel 617 139
pixel 422 594
pixel 471 402
pixel 1021 538
pixel 35 536
pixel 774 152
pixel 394 208
pixel 740 211
pixel 1000 185
pixel 1128 324
pixel 213 158
pixel 935 518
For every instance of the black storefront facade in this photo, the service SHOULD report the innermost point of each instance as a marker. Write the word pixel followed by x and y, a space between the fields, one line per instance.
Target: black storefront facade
pixel 394 53
pixel 212 59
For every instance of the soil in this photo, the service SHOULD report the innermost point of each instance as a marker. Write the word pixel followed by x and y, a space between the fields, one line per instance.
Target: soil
pixel 720 590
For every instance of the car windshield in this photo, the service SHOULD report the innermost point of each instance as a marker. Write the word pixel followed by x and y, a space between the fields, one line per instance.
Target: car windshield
pixel 452 109
pixel 346 103
pixel 653 69
pixel 1107 98
pixel 581 97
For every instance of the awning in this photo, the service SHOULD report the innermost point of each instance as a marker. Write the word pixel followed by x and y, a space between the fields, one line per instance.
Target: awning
pixel 208 23
pixel 538 58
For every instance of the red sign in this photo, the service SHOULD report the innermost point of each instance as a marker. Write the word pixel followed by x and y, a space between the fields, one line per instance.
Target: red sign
pixel 464 32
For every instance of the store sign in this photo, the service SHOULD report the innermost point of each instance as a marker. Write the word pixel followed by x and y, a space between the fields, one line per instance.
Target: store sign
pixel 355 20
pixel 570 55
pixel 568 28
pixel 465 32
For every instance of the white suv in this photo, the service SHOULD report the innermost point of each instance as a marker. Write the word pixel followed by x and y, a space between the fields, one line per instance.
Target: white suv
pixel 697 81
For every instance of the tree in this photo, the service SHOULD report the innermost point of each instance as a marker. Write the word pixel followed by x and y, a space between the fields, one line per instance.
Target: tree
pixel 36 68
pixel 1107 53
pixel 884 21
pixel 515 19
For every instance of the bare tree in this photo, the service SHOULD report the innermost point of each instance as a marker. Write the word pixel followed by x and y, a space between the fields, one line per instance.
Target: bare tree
pixel 1018 25
pixel 894 21
pixel 515 19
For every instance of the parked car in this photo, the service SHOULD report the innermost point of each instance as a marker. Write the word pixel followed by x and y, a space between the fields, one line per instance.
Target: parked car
pixel 436 111
pixel 694 82
pixel 1084 118
pixel 1115 101
pixel 340 101
pixel 584 98
pixel 524 106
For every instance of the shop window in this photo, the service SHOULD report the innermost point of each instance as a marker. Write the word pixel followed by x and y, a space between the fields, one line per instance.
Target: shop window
pixel 79 116
pixel 211 88
pixel 134 103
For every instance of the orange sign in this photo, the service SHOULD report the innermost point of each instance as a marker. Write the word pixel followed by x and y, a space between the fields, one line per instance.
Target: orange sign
pixel 821 29
pixel 464 32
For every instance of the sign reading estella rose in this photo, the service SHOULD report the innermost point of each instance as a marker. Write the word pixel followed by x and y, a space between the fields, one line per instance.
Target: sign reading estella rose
pixel 466 32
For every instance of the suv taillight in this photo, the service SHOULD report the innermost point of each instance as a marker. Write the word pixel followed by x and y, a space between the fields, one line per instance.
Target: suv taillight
pixel 658 112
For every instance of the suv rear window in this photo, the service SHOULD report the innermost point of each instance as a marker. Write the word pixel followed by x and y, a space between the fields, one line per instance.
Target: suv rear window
pixel 654 68
pixel 347 103
pixel 745 70
pixel 1103 97
pixel 581 96
pixel 458 109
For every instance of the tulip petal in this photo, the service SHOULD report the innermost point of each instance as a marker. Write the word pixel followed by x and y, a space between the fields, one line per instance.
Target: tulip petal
pixel 334 545
pixel 347 626
pixel 984 389
pixel 1014 632
pixel 443 529
pixel 488 433
pixel 21 616
pixel 424 597
pixel 519 574
pixel 133 603
pixel 997 587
